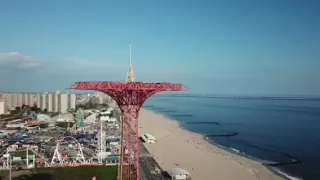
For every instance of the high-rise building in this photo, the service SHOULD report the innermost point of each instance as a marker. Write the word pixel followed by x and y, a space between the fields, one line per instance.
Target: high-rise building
pixel 52 102
pixel 30 99
pixel 27 99
pixel 72 101
pixel 55 98
pixel 24 99
pixel 42 105
pixel 6 97
pixel 49 102
pixel 2 107
pixel 38 100
pixel 19 100
pixel 63 103
pixel 14 100
pixel 57 102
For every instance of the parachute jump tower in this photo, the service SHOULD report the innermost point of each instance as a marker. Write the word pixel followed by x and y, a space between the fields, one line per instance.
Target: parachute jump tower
pixel 129 96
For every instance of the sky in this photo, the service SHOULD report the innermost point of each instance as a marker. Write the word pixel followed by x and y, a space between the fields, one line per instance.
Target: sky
pixel 211 46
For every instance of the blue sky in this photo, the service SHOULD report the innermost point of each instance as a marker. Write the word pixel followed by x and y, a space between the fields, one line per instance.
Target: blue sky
pixel 216 47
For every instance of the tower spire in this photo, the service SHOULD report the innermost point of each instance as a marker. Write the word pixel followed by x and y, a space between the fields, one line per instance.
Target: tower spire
pixel 130 55
pixel 130 74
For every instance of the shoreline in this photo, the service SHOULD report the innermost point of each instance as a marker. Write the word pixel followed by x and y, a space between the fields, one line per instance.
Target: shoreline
pixel 204 159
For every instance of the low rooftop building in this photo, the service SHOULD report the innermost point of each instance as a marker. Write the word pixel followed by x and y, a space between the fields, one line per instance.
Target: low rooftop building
pixel 148 138
pixel 179 174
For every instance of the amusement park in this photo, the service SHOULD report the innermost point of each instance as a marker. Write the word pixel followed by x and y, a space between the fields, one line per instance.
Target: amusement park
pixel 89 138
pixel 105 137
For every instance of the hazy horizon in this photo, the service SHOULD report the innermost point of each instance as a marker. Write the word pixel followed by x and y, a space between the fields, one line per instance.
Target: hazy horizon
pixel 188 94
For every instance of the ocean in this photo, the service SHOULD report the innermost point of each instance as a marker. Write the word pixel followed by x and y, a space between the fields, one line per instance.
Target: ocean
pixel 283 134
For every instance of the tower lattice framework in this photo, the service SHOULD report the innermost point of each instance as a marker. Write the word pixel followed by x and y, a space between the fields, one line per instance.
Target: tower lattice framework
pixel 130 97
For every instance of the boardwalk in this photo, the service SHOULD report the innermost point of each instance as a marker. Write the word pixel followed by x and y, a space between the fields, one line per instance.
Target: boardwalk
pixel 149 168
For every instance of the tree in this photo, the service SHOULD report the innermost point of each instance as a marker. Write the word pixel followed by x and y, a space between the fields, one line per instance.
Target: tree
pixel 34 107
pixel 14 112
pixel 113 113
pixel 94 100
pixel 79 106
pixel 105 105
pixel 18 108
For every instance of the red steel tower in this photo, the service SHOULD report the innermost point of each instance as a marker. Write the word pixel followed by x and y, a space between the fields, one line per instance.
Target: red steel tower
pixel 130 97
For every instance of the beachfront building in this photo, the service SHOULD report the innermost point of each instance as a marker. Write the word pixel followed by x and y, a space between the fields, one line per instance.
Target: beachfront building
pixel 148 138
pixel 179 174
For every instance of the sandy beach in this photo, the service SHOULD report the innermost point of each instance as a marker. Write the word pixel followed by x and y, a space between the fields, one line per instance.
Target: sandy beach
pixel 177 147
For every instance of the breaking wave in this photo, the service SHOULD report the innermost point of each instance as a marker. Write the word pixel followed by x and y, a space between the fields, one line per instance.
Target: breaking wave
pixel 285 174
pixel 272 165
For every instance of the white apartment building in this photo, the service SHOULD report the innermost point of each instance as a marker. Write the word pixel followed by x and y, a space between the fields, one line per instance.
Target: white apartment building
pixel 37 99
pixel 27 99
pixel 2 104
pixel 53 102
pixel 72 101
pixel 56 102
pixel 49 102
pixel 13 100
pixel 2 107
pixel 63 102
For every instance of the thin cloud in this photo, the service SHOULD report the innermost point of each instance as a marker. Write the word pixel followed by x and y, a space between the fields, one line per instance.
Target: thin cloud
pixel 77 66
pixel 19 61
pixel 51 75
